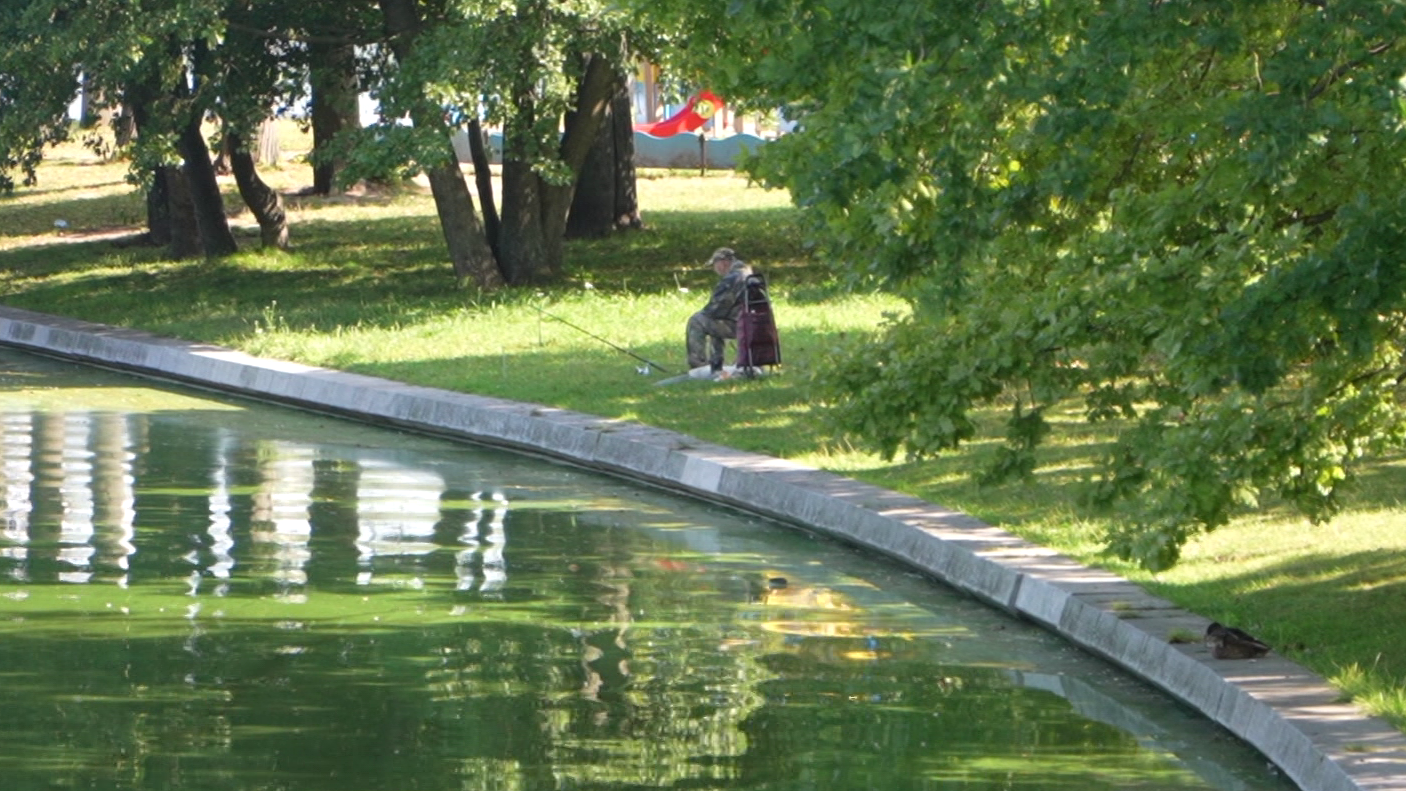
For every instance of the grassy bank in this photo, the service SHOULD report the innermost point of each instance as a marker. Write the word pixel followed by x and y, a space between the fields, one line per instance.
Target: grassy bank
pixel 367 289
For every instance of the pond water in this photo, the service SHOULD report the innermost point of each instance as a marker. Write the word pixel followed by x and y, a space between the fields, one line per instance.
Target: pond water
pixel 200 593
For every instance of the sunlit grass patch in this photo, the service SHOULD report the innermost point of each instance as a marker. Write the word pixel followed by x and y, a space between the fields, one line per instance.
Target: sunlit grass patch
pixel 1365 687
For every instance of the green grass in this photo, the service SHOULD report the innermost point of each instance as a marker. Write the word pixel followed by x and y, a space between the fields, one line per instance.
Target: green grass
pixel 366 288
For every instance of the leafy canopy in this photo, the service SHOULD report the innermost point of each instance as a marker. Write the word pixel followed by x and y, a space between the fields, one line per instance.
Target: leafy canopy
pixel 1188 216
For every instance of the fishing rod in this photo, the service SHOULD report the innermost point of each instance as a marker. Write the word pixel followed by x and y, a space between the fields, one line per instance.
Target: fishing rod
pixel 648 362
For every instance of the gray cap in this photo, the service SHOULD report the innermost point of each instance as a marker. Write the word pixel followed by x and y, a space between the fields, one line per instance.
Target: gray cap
pixel 722 254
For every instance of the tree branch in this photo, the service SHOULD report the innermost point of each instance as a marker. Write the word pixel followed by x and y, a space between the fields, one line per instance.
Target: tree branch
pixel 1328 80
pixel 295 38
pixel 1308 220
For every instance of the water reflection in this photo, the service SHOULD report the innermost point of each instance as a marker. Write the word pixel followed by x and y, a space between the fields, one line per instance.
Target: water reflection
pixel 75 473
pixel 194 596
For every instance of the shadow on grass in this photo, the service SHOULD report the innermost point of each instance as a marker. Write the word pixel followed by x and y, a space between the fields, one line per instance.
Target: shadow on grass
pixel 342 273
pixel 321 285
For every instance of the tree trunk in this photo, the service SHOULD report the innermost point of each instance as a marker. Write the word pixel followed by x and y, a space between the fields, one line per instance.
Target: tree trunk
pixel 334 108
pixel 222 158
pixel 158 208
pixel 268 151
pixel 627 199
pixel 124 128
pixel 87 118
pixel 483 178
pixel 170 217
pixel 534 212
pixel 210 220
pixel 265 203
pixel 136 99
pixel 522 242
pixel 605 199
pixel 468 247
pixel 185 239
pixel 592 212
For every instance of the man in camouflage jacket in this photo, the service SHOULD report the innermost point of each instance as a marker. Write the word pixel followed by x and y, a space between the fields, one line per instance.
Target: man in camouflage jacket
pixel 717 321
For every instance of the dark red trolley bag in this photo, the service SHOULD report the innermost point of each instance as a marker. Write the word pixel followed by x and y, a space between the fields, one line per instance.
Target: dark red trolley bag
pixel 758 344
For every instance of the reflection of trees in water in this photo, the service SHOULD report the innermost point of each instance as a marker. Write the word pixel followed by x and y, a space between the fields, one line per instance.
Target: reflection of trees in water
pixel 900 724
pixel 73 485
pixel 234 519
pixel 369 625
pixel 605 657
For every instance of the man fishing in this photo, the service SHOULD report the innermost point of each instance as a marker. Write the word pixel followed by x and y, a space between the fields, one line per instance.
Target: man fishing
pixel 716 323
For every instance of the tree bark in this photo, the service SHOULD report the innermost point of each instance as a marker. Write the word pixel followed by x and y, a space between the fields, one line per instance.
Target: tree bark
pixel 158 209
pixel 483 178
pixel 592 212
pixel 184 240
pixel 468 247
pixel 265 203
pixel 124 128
pixel 627 199
pixel 136 99
pixel 606 199
pixel 522 243
pixel 170 217
pixel 216 240
pixel 334 108
pixel 534 211
pixel 267 152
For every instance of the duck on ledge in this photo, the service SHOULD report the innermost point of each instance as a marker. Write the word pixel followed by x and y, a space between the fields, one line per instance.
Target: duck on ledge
pixel 1227 642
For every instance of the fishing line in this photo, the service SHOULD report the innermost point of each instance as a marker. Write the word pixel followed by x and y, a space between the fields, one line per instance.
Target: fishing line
pixel 648 362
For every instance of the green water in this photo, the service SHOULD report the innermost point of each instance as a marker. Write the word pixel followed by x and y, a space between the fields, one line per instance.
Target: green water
pixel 202 594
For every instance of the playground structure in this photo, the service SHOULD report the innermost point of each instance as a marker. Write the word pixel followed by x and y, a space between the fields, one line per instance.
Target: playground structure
pixel 715 137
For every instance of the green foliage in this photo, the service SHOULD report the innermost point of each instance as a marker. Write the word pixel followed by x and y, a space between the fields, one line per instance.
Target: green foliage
pixel 163 54
pixel 1188 215
pixel 32 101
pixel 512 64
pixel 386 152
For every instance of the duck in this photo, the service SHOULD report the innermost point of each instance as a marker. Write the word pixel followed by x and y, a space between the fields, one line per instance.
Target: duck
pixel 1227 642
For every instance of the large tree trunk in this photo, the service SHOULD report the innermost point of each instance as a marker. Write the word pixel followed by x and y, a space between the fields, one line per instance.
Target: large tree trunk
pixel 627 198
pixel 263 202
pixel 170 217
pixel 606 199
pixel 184 239
pixel 136 99
pixel 334 108
pixel 593 205
pixel 522 243
pixel 158 208
pixel 468 247
pixel 215 237
pixel 534 211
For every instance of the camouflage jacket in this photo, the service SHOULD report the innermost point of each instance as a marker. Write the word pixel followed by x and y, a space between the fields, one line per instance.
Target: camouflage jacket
pixel 726 302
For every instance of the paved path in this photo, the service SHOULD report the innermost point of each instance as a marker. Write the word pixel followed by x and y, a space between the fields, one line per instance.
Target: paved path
pixel 1288 713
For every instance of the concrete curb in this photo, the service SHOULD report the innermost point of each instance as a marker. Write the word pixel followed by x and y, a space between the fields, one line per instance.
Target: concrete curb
pixel 1288 713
